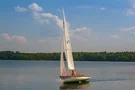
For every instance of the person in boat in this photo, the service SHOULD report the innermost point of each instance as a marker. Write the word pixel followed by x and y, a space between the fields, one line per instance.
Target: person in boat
pixel 75 74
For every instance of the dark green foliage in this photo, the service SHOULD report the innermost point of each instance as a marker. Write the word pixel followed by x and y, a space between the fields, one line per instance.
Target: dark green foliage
pixel 78 56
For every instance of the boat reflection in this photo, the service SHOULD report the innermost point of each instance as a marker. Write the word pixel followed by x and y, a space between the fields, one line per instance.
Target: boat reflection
pixel 75 86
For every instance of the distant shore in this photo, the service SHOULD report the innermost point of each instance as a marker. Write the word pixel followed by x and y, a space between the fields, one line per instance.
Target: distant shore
pixel 78 56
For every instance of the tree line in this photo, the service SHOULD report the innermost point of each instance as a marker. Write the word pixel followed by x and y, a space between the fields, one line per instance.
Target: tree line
pixel 78 56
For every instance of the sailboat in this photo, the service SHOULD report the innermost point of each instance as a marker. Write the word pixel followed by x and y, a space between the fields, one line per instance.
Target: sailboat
pixel 66 53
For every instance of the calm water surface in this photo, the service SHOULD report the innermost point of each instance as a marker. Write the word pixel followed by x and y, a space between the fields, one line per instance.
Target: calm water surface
pixel 44 75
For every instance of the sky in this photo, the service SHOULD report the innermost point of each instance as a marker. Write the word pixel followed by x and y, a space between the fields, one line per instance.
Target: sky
pixel 94 25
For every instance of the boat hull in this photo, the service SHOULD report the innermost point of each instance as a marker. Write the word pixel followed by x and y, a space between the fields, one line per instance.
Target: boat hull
pixel 74 79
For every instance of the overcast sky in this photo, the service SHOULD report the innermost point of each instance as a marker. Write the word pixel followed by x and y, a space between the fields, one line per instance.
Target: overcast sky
pixel 94 25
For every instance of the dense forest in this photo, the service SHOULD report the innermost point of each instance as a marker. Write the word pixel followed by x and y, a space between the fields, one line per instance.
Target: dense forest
pixel 78 56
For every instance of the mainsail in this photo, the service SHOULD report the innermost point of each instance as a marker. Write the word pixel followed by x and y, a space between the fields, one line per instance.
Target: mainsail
pixel 67 45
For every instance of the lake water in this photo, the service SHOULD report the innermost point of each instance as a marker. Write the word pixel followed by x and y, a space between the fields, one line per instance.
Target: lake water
pixel 44 75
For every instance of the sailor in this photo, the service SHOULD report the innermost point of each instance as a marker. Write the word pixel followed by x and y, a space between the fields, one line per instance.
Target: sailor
pixel 73 73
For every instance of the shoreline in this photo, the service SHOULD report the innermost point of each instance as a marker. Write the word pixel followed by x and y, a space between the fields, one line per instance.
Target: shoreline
pixel 77 56
pixel 66 61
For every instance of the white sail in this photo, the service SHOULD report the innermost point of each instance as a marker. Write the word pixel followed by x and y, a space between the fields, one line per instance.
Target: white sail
pixel 68 49
pixel 62 65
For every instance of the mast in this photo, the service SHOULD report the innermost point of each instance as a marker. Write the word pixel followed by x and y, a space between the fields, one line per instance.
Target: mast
pixel 67 45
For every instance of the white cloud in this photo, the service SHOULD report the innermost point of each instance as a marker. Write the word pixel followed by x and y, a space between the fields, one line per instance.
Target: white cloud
pixel 79 33
pixel 35 7
pixel 102 8
pixel 40 19
pixel 83 29
pixel 130 29
pixel 49 18
pixel 20 9
pixel 21 39
pixel 46 18
pixel 36 15
pixel 54 17
pixel 82 33
pixel 49 15
pixel 115 36
pixel 6 36
pixel 130 12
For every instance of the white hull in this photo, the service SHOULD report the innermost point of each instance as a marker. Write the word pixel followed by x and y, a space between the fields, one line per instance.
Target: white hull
pixel 71 79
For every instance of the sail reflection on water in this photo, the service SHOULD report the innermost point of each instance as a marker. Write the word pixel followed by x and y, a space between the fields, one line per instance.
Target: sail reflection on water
pixel 75 86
